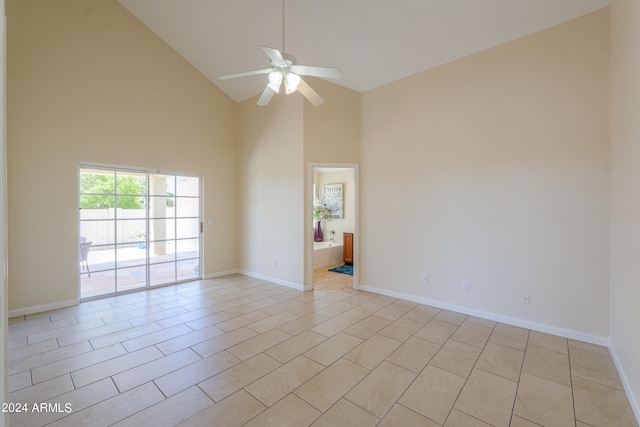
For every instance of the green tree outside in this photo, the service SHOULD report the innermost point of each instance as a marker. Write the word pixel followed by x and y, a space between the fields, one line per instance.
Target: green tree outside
pixel 97 191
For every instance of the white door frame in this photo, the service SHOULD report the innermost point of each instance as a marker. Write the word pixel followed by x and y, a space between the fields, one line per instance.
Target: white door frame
pixel 308 231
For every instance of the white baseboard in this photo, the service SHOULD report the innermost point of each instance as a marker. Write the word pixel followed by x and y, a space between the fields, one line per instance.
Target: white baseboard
pixel 540 327
pixel 220 274
pixel 633 400
pixel 567 333
pixel 273 280
pixel 41 308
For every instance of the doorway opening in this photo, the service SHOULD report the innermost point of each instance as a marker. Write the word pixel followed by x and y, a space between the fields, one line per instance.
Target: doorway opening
pixel 332 249
pixel 138 230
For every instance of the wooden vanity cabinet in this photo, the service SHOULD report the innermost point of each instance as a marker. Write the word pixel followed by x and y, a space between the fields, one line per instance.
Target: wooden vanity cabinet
pixel 347 244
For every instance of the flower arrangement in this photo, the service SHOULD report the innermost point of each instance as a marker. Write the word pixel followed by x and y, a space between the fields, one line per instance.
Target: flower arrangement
pixel 322 212
pixel 138 235
pixel 140 238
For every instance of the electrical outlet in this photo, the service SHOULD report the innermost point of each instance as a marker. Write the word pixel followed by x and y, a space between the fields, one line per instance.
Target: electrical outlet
pixel 424 278
pixel 466 287
pixel 526 299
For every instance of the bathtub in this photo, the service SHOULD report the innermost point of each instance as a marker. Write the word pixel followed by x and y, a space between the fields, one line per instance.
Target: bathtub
pixel 326 254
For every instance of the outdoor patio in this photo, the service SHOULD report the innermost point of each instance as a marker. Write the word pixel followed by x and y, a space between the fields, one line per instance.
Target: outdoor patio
pixel 103 278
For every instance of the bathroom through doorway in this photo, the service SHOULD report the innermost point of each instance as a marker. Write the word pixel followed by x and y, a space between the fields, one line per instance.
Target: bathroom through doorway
pixel 332 254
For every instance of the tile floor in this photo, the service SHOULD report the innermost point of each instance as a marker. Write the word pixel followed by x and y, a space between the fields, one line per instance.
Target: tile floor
pixel 323 279
pixel 242 351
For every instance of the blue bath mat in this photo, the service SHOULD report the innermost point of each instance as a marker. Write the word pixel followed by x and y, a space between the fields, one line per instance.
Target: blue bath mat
pixel 344 269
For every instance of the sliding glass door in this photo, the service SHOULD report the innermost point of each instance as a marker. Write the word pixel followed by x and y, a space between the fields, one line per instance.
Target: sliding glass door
pixel 137 230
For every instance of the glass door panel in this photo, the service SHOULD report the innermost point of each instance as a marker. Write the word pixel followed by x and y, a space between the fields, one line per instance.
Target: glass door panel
pixel 188 269
pixel 187 249
pixel 162 229
pixel 174 206
pixel 112 221
pixel 162 251
pixel 132 278
pixel 162 274
pixel 97 232
pixel 188 227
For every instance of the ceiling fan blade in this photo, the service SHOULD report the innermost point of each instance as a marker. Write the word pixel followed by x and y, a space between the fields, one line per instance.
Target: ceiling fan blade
pixel 324 72
pixel 275 56
pixel 266 96
pixel 311 95
pixel 246 73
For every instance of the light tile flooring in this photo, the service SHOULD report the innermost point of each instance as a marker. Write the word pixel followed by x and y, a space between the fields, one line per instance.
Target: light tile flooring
pixel 242 351
pixel 324 279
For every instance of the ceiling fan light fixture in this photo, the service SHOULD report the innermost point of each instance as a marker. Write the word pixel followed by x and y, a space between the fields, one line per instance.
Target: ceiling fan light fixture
pixel 291 82
pixel 284 68
pixel 275 80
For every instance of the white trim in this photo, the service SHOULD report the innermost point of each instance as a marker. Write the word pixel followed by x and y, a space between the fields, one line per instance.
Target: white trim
pixel 220 274
pixel 45 307
pixel 633 400
pixel 144 169
pixel 540 327
pixel 296 286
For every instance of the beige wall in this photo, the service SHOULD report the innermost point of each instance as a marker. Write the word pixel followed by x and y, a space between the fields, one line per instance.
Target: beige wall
pixel 332 135
pixel 625 191
pixel 493 170
pixel 332 131
pixel 270 177
pixel 86 81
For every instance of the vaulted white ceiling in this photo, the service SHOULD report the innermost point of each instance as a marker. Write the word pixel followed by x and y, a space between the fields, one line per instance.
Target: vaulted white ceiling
pixel 373 42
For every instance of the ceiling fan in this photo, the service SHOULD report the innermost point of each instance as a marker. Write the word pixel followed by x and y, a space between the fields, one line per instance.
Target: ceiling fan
pixel 285 70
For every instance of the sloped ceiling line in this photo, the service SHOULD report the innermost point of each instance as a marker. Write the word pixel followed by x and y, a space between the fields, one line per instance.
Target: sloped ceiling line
pixel 373 42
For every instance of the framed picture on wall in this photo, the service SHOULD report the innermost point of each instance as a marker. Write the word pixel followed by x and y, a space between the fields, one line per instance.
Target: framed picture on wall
pixel 333 200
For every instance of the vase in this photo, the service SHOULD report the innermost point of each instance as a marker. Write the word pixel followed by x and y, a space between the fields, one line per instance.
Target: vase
pixel 318 237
